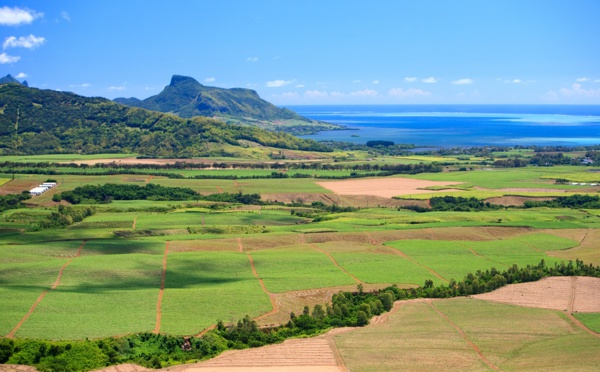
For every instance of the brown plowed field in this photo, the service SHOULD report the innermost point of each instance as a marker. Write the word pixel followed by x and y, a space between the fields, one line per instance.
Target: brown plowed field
pixel 384 187
pixel 550 293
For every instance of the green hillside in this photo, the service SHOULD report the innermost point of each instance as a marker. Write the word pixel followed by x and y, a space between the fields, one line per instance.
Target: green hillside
pixel 186 97
pixel 35 121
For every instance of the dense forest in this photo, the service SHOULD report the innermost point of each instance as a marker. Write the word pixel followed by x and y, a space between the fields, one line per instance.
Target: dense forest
pixel 35 121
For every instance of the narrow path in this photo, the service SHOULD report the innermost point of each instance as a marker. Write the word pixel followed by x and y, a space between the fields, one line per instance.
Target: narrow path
pixel 302 239
pixel 220 189
pixel 583 237
pixel 371 239
pixel 205 330
pixel 404 255
pixel 240 246
pixel 275 309
pixel 358 281
pixel 533 247
pixel 574 320
pixel 11 334
pixel 480 255
pixel 162 290
pixel 202 220
pixel 149 179
pixel 464 336
pixel 134 222
pixel 379 319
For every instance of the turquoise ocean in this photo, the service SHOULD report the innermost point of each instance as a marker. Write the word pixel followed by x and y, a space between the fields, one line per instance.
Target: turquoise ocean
pixel 461 125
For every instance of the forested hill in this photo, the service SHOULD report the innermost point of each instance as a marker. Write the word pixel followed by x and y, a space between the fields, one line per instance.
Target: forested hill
pixel 186 97
pixel 35 121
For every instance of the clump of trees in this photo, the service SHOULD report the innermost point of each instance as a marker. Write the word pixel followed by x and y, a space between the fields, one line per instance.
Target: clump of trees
pixel 110 191
pixel 456 204
pixel 13 201
pixel 66 216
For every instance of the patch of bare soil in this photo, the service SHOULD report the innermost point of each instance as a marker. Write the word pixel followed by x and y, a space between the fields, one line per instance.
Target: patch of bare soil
pixel 383 187
pixel 557 293
pixel 514 200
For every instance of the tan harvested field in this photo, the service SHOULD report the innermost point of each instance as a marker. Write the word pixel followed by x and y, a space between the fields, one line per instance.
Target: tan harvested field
pixel 468 335
pixel 316 354
pixel 383 187
pixel 558 293
pixel 124 368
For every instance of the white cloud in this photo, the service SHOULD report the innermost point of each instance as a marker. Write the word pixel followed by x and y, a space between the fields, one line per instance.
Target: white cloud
pixel 463 81
pixel 404 93
pixel 29 42
pixel 337 94
pixel 410 79
pixel 65 16
pixel 17 16
pixel 209 79
pixel 515 81
pixel 84 85
pixel 252 59
pixel 300 86
pixel 356 81
pixel 117 88
pixel 597 81
pixel 364 93
pixel 5 58
pixel 21 75
pixel 429 80
pixel 316 94
pixel 577 90
pixel 582 79
pixel 375 81
pixel 278 83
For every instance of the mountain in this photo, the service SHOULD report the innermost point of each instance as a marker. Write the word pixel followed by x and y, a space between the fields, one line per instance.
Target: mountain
pixel 9 79
pixel 36 121
pixel 186 97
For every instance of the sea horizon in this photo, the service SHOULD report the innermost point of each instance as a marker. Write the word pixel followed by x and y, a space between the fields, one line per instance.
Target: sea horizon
pixel 460 125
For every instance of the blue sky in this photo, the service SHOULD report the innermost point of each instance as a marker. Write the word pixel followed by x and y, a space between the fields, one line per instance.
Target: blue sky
pixel 312 52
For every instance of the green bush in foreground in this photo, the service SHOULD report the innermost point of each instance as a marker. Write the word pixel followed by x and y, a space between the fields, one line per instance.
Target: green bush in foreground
pixel 346 309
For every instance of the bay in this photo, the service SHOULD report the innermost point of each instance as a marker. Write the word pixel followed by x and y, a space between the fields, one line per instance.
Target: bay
pixel 460 125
